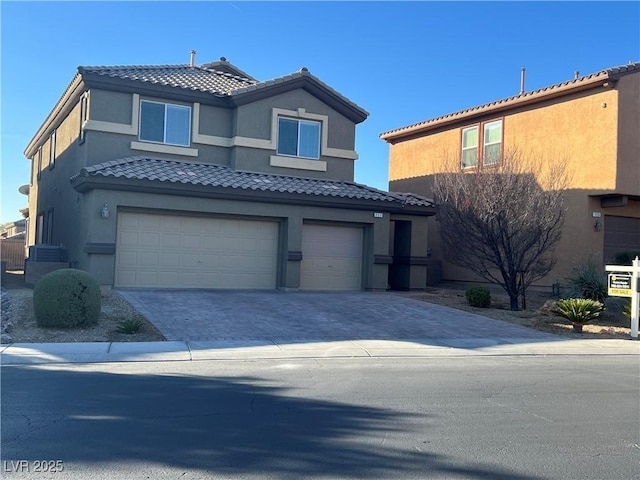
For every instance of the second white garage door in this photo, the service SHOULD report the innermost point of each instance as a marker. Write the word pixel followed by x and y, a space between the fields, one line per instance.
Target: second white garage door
pixel 169 251
pixel 331 258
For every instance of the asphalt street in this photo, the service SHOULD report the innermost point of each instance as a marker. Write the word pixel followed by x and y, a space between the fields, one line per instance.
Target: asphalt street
pixel 503 417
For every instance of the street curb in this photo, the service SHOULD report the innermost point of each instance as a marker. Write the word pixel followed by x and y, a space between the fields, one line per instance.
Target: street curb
pixel 171 351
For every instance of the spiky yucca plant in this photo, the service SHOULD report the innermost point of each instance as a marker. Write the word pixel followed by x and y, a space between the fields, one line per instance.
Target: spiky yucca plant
pixel 579 311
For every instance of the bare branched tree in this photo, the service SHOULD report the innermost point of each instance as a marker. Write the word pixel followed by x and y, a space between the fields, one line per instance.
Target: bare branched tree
pixel 503 221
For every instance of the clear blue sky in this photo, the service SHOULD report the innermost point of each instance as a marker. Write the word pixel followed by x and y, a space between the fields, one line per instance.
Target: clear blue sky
pixel 402 62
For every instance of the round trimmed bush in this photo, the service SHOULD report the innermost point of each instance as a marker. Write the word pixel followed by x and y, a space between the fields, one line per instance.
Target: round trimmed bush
pixel 66 298
pixel 478 297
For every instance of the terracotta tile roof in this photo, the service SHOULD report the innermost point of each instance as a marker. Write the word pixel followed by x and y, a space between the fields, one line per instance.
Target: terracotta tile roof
pixel 610 73
pixel 209 175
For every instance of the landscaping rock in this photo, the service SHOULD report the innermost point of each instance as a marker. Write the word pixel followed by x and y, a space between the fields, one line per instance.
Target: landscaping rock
pixel 547 308
pixel 6 338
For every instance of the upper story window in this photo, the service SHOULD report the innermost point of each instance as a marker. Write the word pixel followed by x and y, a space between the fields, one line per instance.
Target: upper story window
pixel 298 138
pixel 165 123
pixel 52 150
pixel 470 146
pixel 84 116
pixel 492 142
pixel 488 151
pixel 39 154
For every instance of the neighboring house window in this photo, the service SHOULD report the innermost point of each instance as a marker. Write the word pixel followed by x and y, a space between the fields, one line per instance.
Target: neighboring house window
pixel 488 151
pixel 470 147
pixel 165 123
pixel 52 150
pixel 84 111
pixel 492 142
pixel 298 138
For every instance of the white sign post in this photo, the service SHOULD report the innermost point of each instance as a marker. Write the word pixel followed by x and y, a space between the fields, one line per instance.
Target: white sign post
pixel 620 285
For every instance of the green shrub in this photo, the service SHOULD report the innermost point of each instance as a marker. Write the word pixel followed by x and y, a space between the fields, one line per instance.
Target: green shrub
pixel 579 310
pixel 626 310
pixel 588 280
pixel 625 258
pixel 66 298
pixel 129 325
pixel 478 297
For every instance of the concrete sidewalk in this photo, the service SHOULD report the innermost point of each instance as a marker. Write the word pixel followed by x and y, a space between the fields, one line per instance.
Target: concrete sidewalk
pixel 100 352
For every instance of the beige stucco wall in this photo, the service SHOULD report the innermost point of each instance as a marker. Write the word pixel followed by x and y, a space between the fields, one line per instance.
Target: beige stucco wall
pixel 580 130
pixel 628 175
pixel 53 190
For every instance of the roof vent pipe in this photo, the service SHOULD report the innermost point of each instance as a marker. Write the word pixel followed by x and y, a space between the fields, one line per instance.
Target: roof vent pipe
pixel 576 74
pixel 522 80
pixel 192 60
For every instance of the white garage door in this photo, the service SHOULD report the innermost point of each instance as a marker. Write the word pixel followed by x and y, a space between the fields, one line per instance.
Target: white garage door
pixel 331 258
pixel 168 251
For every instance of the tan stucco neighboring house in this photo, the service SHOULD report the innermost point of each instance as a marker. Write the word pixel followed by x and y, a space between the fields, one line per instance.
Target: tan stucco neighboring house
pixel 177 176
pixel 592 123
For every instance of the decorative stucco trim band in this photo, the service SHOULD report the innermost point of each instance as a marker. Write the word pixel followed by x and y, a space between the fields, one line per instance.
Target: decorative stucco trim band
pixel 411 260
pixel 382 259
pixel 294 256
pixel 100 248
pixel 298 163
pixel 159 148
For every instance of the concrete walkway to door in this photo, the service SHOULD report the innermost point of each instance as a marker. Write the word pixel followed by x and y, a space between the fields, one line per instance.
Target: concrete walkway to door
pixel 289 317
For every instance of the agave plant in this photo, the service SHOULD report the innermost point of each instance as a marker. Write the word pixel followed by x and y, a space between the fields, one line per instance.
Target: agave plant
pixel 129 325
pixel 579 311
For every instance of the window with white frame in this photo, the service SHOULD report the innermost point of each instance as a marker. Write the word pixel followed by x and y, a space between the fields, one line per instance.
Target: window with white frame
pixel 492 142
pixel 165 123
pixel 84 116
pixel 488 151
pixel 470 146
pixel 298 138
pixel 40 228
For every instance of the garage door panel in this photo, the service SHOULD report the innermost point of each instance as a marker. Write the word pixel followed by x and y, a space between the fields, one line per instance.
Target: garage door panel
pixel 621 234
pixel 169 240
pixel 198 254
pixel 191 242
pixel 171 224
pixel 331 258
pixel 148 278
pixel 150 223
pixel 127 239
pixel 148 259
pixel 168 279
pixel 150 240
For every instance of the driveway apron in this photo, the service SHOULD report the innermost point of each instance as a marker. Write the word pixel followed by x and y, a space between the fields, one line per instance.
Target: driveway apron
pixel 285 317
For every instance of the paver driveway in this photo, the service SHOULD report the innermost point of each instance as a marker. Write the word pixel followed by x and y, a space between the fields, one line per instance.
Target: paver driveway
pixel 201 315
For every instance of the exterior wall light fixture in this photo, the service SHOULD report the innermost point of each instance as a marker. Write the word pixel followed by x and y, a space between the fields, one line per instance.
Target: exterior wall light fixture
pixel 597 226
pixel 104 211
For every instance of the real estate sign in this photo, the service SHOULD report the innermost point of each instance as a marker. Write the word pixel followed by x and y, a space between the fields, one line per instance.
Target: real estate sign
pixel 624 281
pixel 619 285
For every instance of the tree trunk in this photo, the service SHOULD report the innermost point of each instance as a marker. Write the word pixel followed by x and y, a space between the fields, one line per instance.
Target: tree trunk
pixel 514 301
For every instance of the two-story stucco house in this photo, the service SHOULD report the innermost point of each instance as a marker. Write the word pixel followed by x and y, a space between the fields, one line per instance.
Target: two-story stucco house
pixel 590 122
pixel 201 176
